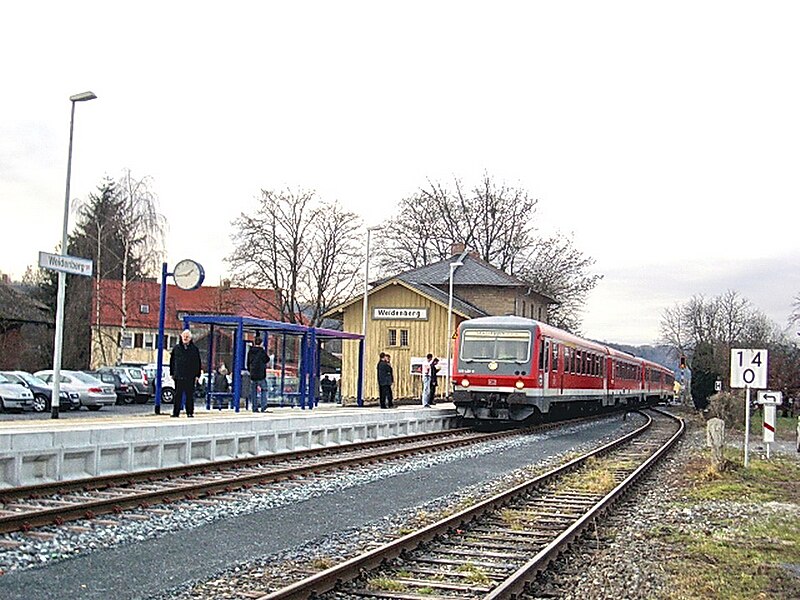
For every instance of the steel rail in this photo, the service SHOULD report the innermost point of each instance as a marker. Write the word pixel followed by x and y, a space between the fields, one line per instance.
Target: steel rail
pixel 326 580
pixel 516 584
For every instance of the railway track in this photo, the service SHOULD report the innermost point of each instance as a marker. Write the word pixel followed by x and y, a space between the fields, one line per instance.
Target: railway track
pixel 496 548
pixel 25 508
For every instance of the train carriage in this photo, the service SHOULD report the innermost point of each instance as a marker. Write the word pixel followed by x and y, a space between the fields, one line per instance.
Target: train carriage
pixel 513 370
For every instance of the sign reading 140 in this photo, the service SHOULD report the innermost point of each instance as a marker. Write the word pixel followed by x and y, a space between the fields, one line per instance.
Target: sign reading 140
pixel 749 368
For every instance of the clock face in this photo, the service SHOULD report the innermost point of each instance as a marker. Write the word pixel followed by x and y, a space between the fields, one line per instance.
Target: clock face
pixel 188 274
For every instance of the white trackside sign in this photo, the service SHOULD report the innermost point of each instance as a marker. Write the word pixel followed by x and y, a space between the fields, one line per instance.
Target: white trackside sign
pixel 749 368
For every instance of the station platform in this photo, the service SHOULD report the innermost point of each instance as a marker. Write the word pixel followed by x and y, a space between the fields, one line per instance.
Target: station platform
pixel 42 451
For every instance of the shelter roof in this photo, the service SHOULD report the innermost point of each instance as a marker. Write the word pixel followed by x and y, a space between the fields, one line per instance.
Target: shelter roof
pixel 252 323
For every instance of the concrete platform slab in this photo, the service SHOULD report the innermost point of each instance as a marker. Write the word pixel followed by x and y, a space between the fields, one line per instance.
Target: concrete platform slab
pixel 40 451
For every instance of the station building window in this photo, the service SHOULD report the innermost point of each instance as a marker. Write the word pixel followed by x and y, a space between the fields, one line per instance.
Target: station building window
pixel 398 337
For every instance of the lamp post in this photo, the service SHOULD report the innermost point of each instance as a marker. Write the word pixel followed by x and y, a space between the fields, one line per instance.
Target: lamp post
pixel 453 267
pixel 363 360
pixel 62 276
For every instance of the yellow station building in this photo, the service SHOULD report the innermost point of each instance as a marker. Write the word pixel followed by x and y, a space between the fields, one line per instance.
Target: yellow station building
pixel 407 317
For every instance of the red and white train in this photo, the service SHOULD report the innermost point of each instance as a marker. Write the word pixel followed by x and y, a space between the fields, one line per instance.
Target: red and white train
pixel 513 371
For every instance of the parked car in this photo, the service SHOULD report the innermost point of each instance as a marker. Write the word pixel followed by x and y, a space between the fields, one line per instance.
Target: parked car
pixel 167 383
pixel 13 395
pixel 139 379
pixel 94 393
pixel 123 388
pixel 43 392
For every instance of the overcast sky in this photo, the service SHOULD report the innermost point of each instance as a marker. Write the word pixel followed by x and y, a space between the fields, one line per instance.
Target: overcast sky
pixel 665 137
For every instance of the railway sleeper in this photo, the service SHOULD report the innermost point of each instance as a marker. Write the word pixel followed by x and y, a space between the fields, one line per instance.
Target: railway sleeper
pixel 466 553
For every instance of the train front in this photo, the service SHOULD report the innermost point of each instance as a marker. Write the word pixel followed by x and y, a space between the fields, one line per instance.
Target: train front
pixel 494 372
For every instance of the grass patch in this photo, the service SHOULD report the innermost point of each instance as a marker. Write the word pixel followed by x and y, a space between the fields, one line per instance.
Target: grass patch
pixel 741 561
pixel 596 477
pixel 474 575
pixel 385 584
pixel 774 480
pixel 734 558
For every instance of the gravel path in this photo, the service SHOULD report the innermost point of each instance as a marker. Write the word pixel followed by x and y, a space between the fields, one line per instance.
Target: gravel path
pixel 177 554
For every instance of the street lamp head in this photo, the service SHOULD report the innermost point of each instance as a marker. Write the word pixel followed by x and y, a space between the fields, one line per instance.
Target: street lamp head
pixel 455 265
pixel 82 97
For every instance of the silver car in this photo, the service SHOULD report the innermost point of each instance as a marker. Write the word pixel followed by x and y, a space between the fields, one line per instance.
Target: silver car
pixel 13 395
pixel 94 393
pixel 43 391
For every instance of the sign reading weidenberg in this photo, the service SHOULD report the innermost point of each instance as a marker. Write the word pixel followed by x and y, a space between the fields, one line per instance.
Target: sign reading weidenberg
pixel 408 314
pixel 68 264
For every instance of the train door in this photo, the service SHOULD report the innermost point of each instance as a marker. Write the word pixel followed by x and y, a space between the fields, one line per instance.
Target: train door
pixel 555 373
pixel 544 364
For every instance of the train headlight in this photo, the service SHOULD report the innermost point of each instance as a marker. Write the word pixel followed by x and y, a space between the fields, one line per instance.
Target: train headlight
pixel 519 385
pixel 465 382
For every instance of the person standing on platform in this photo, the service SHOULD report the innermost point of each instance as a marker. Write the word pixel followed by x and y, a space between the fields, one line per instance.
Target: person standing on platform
pixel 434 381
pixel 257 365
pixel 426 381
pixel 385 381
pixel 325 386
pixel 221 386
pixel 184 367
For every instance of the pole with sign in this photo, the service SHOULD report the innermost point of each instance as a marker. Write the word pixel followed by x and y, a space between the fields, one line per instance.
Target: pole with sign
pixel 769 401
pixel 748 370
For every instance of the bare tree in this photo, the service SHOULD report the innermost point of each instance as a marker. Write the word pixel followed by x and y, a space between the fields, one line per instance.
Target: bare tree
pixel 142 229
pixel 335 256
pixel 493 219
pixel 795 316
pixel 300 248
pixel 496 220
pixel 557 269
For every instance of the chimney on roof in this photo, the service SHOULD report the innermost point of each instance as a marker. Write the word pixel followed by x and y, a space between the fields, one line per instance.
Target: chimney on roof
pixel 226 284
pixel 4 278
pixel 457 248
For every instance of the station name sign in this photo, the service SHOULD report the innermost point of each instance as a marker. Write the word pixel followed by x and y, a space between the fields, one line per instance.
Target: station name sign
pixel 68 264
pixel 408 314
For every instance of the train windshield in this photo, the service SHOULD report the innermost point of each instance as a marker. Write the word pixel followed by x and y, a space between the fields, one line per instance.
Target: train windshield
pixel 501 345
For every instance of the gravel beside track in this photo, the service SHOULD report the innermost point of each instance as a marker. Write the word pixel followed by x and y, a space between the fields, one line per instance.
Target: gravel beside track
pixel 171 554
pixel 623 559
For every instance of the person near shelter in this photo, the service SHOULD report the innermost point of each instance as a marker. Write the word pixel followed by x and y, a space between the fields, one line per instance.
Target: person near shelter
pixel 184 368
pixel 334 390
pixel 385 381
pixel 434 381
pixel 221 385
pixel 326 385
pixel 426 381
pixel 257 365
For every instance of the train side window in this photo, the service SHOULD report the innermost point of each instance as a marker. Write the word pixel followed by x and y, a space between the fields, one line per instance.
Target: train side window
pixel 541 355
pixel 554 361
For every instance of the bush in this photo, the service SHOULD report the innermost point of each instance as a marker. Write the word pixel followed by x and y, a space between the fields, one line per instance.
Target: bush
pixel 729 407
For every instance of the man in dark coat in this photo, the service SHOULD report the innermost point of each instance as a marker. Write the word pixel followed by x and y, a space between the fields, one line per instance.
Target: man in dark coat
pixel 257 365
pixel 184 367
pixel 385 380
pixel 328 386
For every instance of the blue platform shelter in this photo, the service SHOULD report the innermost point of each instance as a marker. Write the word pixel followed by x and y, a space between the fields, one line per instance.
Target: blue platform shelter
pixel 308 338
